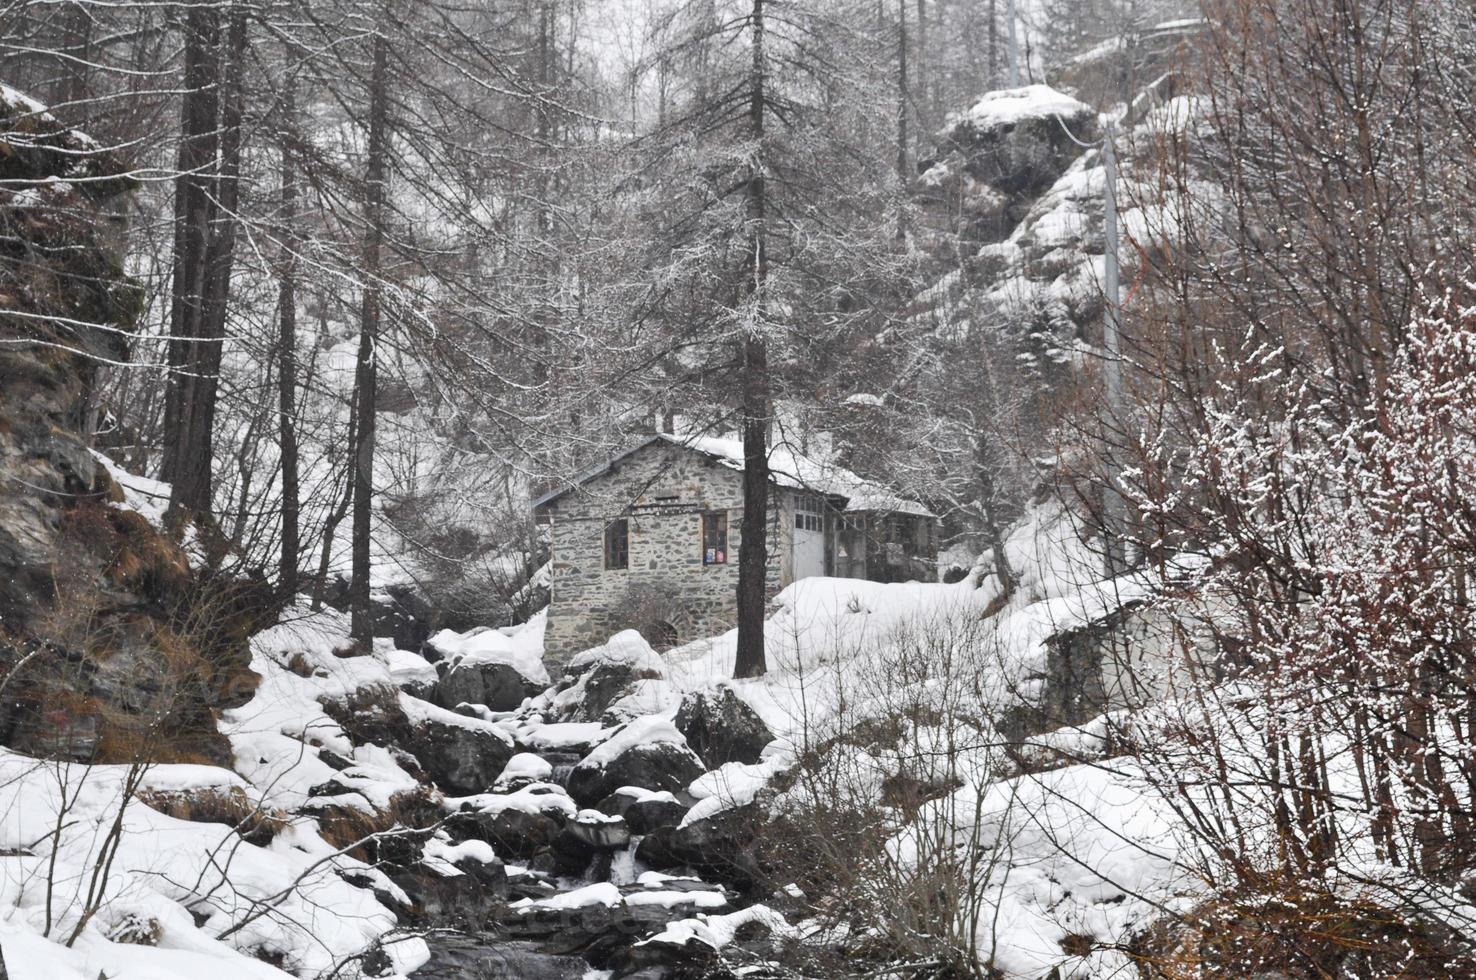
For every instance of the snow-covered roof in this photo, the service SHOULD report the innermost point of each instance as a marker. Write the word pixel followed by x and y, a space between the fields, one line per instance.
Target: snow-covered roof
pixel 788 467
pixel 1011 105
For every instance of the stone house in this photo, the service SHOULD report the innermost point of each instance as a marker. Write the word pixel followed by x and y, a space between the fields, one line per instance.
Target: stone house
pixel 649 540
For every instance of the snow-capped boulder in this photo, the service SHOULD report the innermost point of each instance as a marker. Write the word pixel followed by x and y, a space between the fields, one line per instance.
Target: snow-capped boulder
pixel 993 160
pixel 721 727
pixel 462 755
pixel 625 671
pixel 644 810
pixel 1019 140
pixel 519 824
pixel 486 667
pixel 452 880
pixel 521 770
pixel 599 830
pixel 498 686
pixel 649 753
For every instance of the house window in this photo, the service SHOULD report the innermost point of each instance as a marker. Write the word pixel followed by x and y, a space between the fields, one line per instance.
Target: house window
pixel 715 539
pixel 617 544
pixel 807 514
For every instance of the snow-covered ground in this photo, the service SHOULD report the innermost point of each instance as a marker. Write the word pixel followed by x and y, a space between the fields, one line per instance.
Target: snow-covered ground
pixel 1075 851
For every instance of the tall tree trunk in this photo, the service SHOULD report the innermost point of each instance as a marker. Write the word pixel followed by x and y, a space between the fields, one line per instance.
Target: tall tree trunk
pixel 902 96
pixel 206 199
pixel 197 490
pixel 367 372
pixel 993 44
pixel 753 553
pixel 76 68
pixel 194 210
pixel 920 66
pixel 340 508
pixel 287 577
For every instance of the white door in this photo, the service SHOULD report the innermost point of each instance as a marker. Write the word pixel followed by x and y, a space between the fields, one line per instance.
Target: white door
pixel 809 537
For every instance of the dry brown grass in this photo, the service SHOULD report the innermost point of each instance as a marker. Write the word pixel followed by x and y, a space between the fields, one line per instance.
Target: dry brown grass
pixel 354 828
pixel 120 740
pixel 231 807
pixel 298 665
pixel 1298 933
pixel 134 555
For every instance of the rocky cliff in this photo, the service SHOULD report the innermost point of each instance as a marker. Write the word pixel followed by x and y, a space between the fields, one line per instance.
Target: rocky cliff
pixel 104 652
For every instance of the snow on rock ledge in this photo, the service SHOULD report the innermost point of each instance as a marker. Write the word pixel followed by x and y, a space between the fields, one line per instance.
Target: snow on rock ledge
pixel 1008 107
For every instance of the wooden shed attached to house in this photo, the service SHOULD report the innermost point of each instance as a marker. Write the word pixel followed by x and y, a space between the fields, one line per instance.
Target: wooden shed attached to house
pixel 649 539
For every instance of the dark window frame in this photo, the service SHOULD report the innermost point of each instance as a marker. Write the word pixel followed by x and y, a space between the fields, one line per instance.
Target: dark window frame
pixel 715 532
pixel 617 544
pixel 809 513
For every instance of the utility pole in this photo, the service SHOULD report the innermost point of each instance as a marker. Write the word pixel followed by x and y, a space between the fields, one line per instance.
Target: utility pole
pixel 1014 43
pixel 1113 507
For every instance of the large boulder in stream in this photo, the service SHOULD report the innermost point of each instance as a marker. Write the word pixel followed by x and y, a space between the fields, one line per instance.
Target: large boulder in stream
pixel 649 753
pixel 486 667
pixel 721 727
pixel 614 683
pixel 644 810
pixel 519 824
pixel 463 755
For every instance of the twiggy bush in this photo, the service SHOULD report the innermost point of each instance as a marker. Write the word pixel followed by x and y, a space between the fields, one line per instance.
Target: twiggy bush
pixel 880 825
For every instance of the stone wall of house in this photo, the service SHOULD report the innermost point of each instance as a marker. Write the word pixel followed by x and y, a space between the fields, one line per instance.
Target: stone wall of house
pixel 662 490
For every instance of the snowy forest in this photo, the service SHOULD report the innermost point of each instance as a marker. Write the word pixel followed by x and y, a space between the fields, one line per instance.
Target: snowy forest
pixel 387 386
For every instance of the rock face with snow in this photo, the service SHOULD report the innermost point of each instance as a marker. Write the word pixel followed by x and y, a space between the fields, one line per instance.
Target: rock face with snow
pixel 993 160
pixel 601 919
pixel 520 824
pixel 463 755
pixel 721 727
pixel 87 583
pixel 615 682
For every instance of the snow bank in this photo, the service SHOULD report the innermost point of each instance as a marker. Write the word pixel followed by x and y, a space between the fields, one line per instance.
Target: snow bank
pixel 1076 851
pixel 825 633
pixel 278 735
pixel 286 898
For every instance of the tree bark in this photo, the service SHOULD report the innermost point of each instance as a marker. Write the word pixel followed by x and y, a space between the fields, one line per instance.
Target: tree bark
pixel 194 211
pixel 205 242
pixel 287 576
pixel 367 370
pixel 902 97
pixel 753 553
